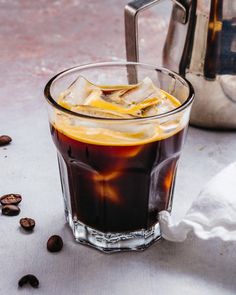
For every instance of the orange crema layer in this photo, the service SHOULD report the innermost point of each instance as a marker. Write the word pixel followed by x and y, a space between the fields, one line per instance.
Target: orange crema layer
pixel 106 137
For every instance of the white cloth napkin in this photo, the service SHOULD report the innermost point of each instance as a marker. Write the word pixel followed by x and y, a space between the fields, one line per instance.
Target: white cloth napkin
pixel 211 215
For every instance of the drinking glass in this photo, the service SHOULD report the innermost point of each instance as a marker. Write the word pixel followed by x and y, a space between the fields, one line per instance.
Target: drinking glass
pixel 118 174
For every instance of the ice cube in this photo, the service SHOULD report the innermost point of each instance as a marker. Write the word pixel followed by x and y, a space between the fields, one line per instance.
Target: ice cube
pixel 77 92
pixel 142 91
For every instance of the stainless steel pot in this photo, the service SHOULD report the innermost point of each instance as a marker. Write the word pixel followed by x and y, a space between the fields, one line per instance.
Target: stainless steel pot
pixel 201 46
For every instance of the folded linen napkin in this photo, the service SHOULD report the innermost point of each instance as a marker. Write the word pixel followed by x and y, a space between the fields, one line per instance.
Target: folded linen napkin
pixel 211 215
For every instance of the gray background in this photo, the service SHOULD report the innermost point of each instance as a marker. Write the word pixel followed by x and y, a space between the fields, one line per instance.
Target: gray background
pixel 38 39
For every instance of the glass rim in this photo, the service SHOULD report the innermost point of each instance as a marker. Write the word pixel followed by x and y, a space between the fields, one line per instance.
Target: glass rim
pixel 52 102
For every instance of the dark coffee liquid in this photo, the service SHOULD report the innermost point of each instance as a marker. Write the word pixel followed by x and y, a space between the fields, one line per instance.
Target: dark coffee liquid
pixel 117 188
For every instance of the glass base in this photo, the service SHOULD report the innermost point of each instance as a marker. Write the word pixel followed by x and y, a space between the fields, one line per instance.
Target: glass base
pixel 114 242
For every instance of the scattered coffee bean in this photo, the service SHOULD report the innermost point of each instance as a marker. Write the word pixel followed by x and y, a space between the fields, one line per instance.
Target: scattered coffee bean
pixel 54 244
pixel 27 223
pixel 10 210
pixel 29 279
pixel 10 199
pixel 4 140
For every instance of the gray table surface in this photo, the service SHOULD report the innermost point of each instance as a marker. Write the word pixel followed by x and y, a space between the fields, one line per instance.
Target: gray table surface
pixel 39 38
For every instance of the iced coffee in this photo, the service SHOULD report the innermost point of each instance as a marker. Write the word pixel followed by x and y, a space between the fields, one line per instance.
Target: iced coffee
pixel 118 179
pixel 118 149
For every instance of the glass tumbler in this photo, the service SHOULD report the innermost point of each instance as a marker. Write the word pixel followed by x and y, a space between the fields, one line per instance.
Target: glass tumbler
pixel 118 174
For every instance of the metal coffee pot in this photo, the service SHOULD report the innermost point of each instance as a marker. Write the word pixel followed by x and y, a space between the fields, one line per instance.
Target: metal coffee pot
pixel 201 46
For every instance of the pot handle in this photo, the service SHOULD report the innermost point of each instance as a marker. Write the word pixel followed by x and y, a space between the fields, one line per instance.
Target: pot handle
pixel 132 10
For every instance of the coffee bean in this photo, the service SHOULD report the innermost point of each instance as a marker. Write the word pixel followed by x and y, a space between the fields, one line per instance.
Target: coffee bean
pixel 4 140
pixel 27 223
pixel 10 199
pixel 54 244
pixel 29 279
pixel 10 210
